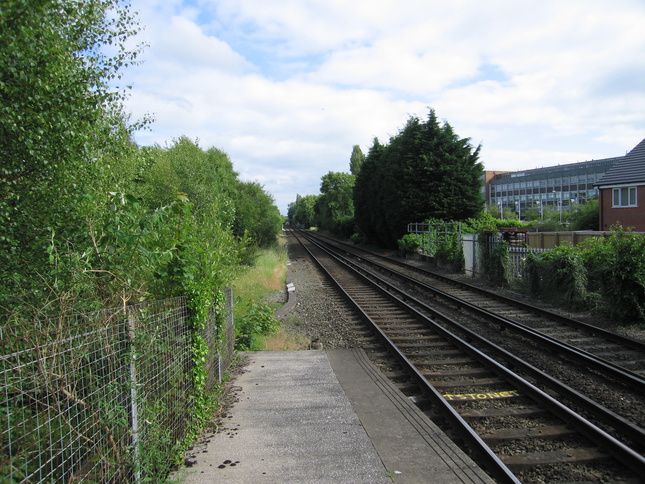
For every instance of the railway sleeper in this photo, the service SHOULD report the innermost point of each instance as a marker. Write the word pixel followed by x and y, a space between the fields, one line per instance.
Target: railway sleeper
pixel 397 376
pixel 438 345
pixel 407 387
pixel 386 318
pixel 447 384
pixel 448 350
pixel 493 412
pixel 495 307
pixel 561 335
pixel 620 356
pixel 424 353
pixel 465 361
pixel 636 366
pixel 555 457
pixel 492 436
pixel 400 324
pixel 414 340
pixel 437 353
pixel 450 373
pixel 381 314
pixel 591 342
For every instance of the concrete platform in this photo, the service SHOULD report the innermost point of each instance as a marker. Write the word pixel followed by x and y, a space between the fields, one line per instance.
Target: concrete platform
pixel 326 417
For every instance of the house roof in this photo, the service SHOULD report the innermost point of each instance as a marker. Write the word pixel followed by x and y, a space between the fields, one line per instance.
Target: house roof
pixel 629 169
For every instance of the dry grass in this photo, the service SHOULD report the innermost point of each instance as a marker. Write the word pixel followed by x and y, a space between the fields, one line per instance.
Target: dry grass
pixel 285 341
pixel 275 280
pixel 266 276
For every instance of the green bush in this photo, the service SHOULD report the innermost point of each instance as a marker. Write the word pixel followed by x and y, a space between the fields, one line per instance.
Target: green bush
pixel 358 239
pixel 408 245
pixel 258 321
pixel 604 274
pixel 450 252
pixel 616 267
pixel 558 275
pixel 495 263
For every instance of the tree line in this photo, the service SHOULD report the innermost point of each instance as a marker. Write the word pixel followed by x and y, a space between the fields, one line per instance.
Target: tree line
pixel 426 171
pixel 88 217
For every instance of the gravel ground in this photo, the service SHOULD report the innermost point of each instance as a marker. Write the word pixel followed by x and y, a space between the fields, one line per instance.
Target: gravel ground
pixel 319 314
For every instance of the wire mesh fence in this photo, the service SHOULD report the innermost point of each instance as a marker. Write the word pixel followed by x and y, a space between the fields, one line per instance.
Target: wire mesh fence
pixel 101 397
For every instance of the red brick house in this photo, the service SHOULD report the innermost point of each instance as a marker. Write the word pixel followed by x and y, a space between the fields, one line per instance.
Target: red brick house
pixel 622 192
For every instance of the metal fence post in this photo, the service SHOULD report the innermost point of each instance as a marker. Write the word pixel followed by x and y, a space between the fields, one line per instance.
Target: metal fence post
pixel 134 409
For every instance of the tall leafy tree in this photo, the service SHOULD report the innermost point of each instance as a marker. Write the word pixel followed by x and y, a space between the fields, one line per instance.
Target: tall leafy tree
pixel 256 215
pixel 367 191
pixel 586 216
pixel 335 206
pixel 61 124
pixel 302 211
pixel 356 160
pixel 205 176
pixel 221 202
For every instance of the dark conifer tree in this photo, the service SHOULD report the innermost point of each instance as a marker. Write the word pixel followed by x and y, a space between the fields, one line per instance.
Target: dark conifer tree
pixel 425 172
pixel 366 196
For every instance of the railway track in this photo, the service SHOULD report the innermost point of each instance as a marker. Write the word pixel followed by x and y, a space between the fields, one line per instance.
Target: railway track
pixel 605 379
pixel 515 429
pixel 623 357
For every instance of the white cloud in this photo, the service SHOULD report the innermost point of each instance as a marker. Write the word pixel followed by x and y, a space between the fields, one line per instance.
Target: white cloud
pixel 184 44
pixel 287 87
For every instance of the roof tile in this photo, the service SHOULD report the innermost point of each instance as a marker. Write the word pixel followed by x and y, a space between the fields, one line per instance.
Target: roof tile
pixel 629 169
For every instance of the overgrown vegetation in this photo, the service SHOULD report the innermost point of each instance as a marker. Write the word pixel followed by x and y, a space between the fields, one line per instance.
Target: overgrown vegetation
pixel 408 245
pixel 495 263
pixel 257 322
pixel 603 274
pixel 254 313
pixel 558 275
pixel 89 219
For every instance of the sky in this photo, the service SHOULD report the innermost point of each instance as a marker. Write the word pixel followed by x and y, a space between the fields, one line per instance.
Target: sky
pixel 287 87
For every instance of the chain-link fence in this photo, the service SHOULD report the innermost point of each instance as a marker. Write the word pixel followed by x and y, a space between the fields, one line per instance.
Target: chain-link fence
pixel 103 397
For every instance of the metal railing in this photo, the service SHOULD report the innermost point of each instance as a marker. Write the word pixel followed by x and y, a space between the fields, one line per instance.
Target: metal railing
pixel 517 260
pixel 104 396
pixel 430 235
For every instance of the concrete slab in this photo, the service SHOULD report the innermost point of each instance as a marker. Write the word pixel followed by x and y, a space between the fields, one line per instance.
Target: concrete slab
pixel 292 423
pixel 326 417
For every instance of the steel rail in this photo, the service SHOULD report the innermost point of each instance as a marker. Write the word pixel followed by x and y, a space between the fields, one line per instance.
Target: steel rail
pixel 621 424
pixel 606 367
pixel 492 463
pixel 610 444
pixel 626 341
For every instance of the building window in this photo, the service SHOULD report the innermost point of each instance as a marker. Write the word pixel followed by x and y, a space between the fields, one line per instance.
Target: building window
pixel 624 197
